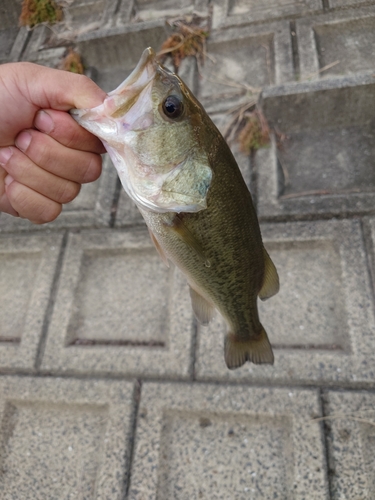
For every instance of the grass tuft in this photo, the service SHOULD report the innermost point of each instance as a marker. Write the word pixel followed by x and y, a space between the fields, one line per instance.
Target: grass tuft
pixel 72 62
pixel 254 133
pixel 189 39
pixel 36 12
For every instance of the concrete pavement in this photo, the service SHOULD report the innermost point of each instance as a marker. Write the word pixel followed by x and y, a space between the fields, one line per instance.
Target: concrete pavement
pixel 108 387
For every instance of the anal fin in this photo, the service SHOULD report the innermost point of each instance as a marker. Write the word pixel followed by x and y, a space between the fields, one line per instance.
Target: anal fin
pixel 258 350
pixel 203 310
pixel 271 283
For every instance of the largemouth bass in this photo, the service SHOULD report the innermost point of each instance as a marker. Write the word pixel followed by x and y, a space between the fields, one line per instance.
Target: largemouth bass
pixel 176 166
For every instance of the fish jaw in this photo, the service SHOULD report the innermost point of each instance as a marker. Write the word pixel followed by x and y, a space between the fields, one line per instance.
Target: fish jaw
pixel 180 184
pixel 103 121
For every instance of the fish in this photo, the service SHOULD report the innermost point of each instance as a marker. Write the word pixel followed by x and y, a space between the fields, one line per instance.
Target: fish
pixel 175 165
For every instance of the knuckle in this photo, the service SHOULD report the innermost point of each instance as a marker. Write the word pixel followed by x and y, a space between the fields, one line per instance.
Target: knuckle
pixel 42 155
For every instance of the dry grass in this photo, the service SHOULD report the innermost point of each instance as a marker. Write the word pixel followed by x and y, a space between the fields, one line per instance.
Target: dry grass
pixel 255 132
pixel 72 62
pixel 36 12
pixel 248 126
pixel 189 39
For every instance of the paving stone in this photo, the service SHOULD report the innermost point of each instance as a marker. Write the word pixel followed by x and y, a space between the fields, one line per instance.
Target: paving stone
pixel 263 57
pixel 327 125
pixel 338 43
pixel 321 324
pixel 351 434
pixel 127 212
pixel 28 266
pixel 119 309
pixel 148 10
pixel 336 4
pixel 369 231
pixel 227 13
pixel 12 37
pixel 209 441
pixel 64 438
pixel 91 208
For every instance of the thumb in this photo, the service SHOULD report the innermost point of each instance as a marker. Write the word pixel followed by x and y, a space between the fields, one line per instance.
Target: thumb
pixel 58 89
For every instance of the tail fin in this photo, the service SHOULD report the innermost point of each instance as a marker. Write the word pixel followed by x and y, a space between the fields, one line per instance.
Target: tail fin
pixel 257 350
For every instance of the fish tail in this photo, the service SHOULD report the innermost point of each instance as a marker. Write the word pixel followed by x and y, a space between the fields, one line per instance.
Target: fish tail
pixel 257 350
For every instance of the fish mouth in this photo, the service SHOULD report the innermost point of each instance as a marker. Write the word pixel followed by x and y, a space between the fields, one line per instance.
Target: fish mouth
pixel 141 74
pixel 120 100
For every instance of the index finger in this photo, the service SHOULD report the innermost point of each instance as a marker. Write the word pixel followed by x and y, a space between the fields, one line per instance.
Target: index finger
pixel 64 129
pixel 56 89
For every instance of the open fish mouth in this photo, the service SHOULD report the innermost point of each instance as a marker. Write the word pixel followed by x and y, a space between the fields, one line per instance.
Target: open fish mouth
pixel 142 74
pixel 120 100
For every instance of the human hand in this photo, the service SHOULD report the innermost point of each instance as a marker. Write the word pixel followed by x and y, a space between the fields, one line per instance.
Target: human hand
pixel 45 155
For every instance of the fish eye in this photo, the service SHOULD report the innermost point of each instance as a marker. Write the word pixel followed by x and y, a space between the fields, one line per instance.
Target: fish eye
pixel 173 107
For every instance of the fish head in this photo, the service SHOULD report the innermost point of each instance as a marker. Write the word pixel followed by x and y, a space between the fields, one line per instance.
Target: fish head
pixel 152 127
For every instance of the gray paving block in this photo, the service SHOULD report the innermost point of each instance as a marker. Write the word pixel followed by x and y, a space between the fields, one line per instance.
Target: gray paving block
pixel 12 37
pixel 64 438
pixel 127 212
pixel 119 309
pixel 227 13
pixel 149 10
pixel 212 441
pixel 327 127
pixel 28 265
pixel 369 230
pixel 321 324
pixel 91 208
pixel 351 433
pixel 337 43
pixel 263 57
pixel 336 4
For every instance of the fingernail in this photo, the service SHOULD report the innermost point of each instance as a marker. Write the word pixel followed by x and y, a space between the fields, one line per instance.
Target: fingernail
pixel 8 180
pixel 5 154
pixel 23 141
pixel 44 122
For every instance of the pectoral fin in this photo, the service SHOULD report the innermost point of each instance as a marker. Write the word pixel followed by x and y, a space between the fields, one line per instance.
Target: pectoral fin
pixel 271 284
pixel 203 310
pixel 187 236
pixel 160 251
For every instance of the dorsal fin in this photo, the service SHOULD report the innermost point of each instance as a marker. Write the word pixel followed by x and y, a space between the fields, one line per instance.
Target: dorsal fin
pixel 270 284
